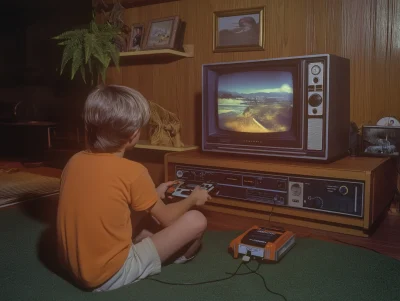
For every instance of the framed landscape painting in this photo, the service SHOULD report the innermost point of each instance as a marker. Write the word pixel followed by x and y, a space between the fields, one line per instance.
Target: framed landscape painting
pixel 161 33
pixel 239 30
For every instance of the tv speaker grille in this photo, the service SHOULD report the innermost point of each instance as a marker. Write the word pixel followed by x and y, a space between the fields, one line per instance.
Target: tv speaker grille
pixel 314 139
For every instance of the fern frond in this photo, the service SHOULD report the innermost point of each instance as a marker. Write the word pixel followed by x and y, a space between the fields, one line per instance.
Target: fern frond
pixel 83 73
pixel 108 35
pixel 103 74
pixel 77 61
pixel 71 34
pixel 67 56
pixel 89 40
pixel 107 27
pixel 93 27
pixel 99 54
pixel 111 51
pixel 114 54
pixel 100 69
pixel 90 67
pixel 89 63
pixel 91 49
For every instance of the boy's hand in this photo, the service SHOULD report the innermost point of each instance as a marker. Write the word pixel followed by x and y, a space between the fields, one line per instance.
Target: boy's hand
pixel 162 188
pixel 200 196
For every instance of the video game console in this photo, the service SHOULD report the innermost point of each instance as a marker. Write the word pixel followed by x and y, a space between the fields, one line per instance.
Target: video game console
pixel 262 243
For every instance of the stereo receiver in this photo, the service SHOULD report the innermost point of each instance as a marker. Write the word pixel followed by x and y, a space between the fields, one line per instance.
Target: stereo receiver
pixel 338 196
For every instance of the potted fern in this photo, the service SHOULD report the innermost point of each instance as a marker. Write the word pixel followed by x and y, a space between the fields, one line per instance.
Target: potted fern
pixel 90 50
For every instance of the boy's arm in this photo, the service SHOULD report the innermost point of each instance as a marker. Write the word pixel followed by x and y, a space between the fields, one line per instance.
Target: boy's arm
pixel 144 196
pixel 167 214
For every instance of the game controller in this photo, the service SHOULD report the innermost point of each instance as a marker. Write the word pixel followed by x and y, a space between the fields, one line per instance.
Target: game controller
pixel 184 189
pixel 171 190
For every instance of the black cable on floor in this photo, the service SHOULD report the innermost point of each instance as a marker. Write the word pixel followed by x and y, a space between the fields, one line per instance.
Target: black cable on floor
pixel 226 278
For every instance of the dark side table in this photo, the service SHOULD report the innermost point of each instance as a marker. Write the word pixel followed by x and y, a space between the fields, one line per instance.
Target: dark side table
pixel 27 140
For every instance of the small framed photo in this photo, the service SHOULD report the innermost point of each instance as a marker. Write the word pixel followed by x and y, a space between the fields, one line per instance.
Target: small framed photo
pixel 136 37
pixel 380 141
pixel 239 30
pixel 162 33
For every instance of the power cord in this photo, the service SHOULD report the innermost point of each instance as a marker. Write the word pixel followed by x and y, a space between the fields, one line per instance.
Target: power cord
pixel 269 218
pixel 245 260
pixel 355 245
pixel 199 283
pixel 263 279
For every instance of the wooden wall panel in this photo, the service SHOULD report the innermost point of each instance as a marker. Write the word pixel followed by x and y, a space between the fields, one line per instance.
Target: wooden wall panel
pixel 324 34
pixel 358 45
pixel 381 55
pixel 365 31
pixel 392 99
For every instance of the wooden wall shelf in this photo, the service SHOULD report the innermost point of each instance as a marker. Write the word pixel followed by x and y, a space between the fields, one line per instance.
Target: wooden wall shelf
pixel 157 55
pixel 145 144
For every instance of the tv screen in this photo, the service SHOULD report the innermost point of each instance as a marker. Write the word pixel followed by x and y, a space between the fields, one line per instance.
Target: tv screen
pixel 255 101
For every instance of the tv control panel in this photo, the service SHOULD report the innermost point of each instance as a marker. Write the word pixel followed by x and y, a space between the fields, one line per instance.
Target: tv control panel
pixel 315 88
pixel 315 96
pixel 309 193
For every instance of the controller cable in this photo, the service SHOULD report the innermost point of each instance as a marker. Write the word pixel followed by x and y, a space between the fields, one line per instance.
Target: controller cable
pixel 245 261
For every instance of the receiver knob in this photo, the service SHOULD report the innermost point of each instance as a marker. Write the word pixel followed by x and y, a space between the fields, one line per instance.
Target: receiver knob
pixel 179 173
pixel 318 202
pixel 314 202
pixel 315 100
pixel 343 190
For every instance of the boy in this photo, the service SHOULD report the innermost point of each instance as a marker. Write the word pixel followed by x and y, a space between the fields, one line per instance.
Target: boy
pixel 99 189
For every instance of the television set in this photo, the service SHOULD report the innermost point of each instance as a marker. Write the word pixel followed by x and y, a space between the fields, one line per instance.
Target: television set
pixel 292 107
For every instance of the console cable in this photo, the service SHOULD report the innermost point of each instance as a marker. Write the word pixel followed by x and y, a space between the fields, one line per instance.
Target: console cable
pixel 245 260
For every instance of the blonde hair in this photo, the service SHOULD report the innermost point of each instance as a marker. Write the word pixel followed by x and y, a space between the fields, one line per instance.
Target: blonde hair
pixel 112 114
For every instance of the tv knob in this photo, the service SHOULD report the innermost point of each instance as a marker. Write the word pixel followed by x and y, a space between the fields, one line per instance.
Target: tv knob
pixel 315 100
pixel 343 190
pixel 315 69
pixel 179 173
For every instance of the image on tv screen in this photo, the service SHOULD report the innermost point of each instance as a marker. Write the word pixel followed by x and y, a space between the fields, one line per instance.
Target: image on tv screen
pixel 255 101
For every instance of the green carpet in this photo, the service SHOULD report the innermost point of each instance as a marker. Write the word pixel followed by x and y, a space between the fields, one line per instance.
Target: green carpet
pixel 312 270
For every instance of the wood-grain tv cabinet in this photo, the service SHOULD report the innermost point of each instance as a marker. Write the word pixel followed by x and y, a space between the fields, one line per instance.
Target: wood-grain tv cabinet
pixel 372 179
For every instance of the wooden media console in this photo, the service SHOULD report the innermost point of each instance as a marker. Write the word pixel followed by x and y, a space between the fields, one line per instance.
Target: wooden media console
pixel 371 182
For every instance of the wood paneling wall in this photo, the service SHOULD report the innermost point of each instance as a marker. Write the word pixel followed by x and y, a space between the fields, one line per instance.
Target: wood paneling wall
pixel 365 31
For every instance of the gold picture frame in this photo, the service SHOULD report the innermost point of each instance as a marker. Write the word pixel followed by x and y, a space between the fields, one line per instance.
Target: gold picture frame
pixel 239 30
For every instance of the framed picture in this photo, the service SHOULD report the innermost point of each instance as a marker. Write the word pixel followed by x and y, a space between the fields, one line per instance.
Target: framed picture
pixel 239 30
pixel 136 37
pixel 162 33
pixel 380 141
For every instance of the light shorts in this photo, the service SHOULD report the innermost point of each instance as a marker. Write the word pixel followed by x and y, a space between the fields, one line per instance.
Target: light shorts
pixel 143 260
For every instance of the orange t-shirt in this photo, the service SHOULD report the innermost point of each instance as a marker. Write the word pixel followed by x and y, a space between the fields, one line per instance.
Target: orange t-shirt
pixel 98 192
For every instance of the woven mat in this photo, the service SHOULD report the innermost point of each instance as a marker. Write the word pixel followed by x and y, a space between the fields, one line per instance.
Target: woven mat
pixel 22 186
